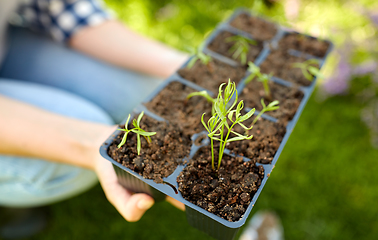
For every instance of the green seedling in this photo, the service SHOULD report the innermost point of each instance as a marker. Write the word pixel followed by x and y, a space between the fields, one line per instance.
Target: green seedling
pixel 198 54
pixel 137 130
pixel 254 70
pixel 221 123
pixel 240 47
pixel 204 94
pixel 264 79
pixel 308 69
pixel 261 77
pixel 271 107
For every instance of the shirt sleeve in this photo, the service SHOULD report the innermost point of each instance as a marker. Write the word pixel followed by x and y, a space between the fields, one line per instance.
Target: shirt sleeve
pixel 62 18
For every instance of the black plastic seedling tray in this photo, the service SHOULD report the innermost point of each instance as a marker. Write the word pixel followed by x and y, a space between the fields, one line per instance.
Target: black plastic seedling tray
pixel 199 218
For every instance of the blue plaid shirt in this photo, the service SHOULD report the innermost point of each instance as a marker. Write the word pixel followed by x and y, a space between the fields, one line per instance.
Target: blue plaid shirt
pixel 62 18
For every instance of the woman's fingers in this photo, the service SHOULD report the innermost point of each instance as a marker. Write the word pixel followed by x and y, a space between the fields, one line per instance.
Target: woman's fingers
pixel 175 203
pixel 130 206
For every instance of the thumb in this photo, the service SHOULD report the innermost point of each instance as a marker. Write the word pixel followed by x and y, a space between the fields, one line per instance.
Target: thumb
pixel 134 208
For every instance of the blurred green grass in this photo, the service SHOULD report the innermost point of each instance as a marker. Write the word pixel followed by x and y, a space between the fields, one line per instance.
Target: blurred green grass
pixel 324 185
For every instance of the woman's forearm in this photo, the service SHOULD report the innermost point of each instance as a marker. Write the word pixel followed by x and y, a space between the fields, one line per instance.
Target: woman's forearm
pixel 113 42
pixel 29 131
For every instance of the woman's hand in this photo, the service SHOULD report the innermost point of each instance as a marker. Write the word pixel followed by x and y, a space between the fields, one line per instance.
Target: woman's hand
pixel 130 206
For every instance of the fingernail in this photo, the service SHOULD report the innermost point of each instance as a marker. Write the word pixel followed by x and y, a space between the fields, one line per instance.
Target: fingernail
pixel 145 204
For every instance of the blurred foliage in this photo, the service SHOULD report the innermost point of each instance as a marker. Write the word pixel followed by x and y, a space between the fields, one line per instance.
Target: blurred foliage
pixel 180 23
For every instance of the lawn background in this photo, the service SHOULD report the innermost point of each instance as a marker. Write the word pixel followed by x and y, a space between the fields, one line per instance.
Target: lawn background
pixel 324 185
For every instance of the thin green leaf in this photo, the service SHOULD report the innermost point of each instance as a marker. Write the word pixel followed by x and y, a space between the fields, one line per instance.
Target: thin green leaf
pixel 192 62
pixel 233 48
pixel 220 124
pixel 315 71
pixel 218 139
pixel 147 134
pixel 262 103
pixel 272 106
pixel 297 65
pixel 204 94
pixel 231 39
pixel 127 122
pixel 237 134
pixel 243 58
pixel 140 117
pixel 201 55
pixel 137 130
pixel 250 78
pixel 252 68
pixel 245 127
pixel 247 115
pixel 205 59
pixel 237 139
pixel 138 144
pixel 204 124
pixel 274 103
pixel 230 115
pixel 225 123
pixel 272 109
pixel 219 112
pixel 238 109
pixel 307 75
pixel 312 61
pixel 123 141
pixel 237 53
pixel 135 123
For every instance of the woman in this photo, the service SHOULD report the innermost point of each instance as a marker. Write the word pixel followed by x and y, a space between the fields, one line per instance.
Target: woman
pixel 60 98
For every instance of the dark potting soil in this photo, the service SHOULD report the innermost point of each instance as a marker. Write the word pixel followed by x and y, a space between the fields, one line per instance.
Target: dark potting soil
pixel 280 64
pixel 223 47
pixel 226 192
pixel 172 104
pixel 258 28
pixel 212 75
pixel 312 46
pixel 156 160
pixel 267 137
pixel 289 98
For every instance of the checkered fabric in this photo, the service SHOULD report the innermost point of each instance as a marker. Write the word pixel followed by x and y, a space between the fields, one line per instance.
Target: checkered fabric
pixel 62 18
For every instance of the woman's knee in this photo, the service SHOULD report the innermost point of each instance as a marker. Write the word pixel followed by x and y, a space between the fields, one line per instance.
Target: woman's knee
pixel 31 182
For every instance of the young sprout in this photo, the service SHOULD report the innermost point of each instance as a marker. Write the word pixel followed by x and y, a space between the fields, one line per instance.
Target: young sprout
pixel 271 107
pixel 308 69
pixel 254 70
pixel 240 47
pixel 204 94
pixel 221 123
pixel 198 54
pixel 263 78
pixel 137 130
